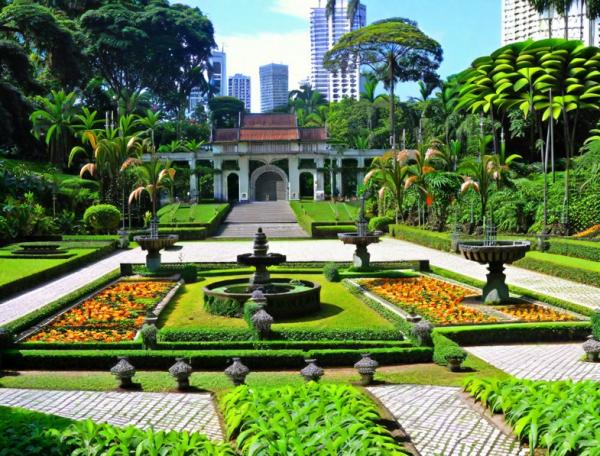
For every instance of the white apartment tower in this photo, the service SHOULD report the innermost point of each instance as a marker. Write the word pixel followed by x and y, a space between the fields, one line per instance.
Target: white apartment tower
pixel 324 33
pixel 274 82
pixel 217 75
pixel 239 87
pixel 520 21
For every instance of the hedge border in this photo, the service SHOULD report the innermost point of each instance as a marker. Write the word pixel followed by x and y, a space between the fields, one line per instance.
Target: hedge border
pixel 560 270
pixel 25 283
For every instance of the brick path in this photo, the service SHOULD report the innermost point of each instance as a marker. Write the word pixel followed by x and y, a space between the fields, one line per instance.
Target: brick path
pixel 540 362
pixel 440 423
pixel 161 411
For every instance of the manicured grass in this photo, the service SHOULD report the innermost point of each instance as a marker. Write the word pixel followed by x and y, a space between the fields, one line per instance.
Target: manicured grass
pixel 185 213
pixel 217 382
pixel 326 211
pixel 593 266
pixel 339 309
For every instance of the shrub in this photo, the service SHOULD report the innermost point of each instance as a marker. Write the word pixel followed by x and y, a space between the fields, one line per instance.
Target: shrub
pixel 250 308
pixel 443 348
pixel 562 269
pixel 331 271
pixel 149 336
pixel 223 307
pixel 103 218
pixel 380 223
pixel 439 241
pixel 595 319
pixel 189 274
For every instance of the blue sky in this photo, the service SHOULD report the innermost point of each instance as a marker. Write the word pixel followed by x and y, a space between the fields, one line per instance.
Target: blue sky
pixel 255 32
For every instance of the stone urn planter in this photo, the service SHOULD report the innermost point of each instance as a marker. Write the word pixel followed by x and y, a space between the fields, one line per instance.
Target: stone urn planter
pixel 181 371
pixel 454 364
pixel 366 367
pixel 591 347
pixel 312 372
pixel 237 372
pixel 422 332
pixel 153 245
pixel 262 321
pixel 495 255
pixel 124 372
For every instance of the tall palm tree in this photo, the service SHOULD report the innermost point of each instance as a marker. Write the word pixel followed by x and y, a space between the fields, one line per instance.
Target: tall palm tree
pixel 369 94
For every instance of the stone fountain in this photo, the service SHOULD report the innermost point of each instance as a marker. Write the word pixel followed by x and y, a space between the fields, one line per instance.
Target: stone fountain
pixel 285 298
pixel 154 243
pixel 362 238
pixel 495 254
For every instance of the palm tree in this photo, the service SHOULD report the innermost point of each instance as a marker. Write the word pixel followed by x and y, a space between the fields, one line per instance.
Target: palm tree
pixel 418 170
pixel 369 95
pixel 306 99
pixel 351 9
pixel 54 121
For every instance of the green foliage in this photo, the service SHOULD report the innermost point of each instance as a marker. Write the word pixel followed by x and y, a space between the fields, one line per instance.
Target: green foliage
pixel 595 319
pixel 331 271
pixel 103 218
pixel 380 223
pixel 439 241
pixel 189 273
pixel 570 269
pixel 444 348
pixel 29 433
pixel 222 307
pixel 22 218
pixel 561 417
pixel 291 421
pixel 250 308
pixel 225 111
pixel 149 335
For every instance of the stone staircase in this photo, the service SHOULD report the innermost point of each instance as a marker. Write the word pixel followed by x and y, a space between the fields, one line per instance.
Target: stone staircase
pixel 275 217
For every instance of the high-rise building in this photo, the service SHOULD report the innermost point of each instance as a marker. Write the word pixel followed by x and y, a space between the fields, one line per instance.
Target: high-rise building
pixel 239 87
pixel 217 75
pixel 273 86
pixel 520 21
pixel 324 33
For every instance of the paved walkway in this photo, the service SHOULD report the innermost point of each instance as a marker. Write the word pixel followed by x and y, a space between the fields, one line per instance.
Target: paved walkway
pixel 440 423
pixel 161 411
pixel 540 362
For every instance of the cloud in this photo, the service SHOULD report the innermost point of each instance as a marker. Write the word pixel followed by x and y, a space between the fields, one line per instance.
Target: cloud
pixel 246 53
pixel 296 8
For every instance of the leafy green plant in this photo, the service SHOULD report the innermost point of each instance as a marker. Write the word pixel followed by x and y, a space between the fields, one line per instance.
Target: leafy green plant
pixel 595 319
pixel 559 416
pixel 331 271
pixel 103 218
pixel 306 420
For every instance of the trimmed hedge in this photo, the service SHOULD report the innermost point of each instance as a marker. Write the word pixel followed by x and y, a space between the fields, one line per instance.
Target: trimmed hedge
pixel 443 346
pixel 579 249
pixel 25 322
pixel 24 283
pixel 184 233
pixel 435 240
pixel 330 231
pixel 562 270
pixel 513 333
pixel 209 359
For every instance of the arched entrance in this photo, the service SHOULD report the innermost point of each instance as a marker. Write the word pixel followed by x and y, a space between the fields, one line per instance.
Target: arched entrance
pixel 233 187
pixel 307 185
pixel 268 183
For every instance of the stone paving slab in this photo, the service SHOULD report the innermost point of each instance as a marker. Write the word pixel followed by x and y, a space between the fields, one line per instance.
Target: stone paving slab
pixel 440 423
pixel 540 362
pixel 160 411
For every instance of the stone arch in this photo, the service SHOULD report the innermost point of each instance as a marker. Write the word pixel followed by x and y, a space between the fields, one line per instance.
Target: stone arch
pixel 272 173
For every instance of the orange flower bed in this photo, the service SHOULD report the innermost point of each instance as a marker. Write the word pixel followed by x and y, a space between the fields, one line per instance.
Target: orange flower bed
pixel 113 315
pixel 436 300
pixel 533 312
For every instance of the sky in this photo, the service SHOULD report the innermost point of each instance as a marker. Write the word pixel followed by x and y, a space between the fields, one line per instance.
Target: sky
pixel 257 32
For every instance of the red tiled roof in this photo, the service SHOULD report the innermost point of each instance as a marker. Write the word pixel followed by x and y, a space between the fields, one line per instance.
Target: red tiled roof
pixel 268 121
pixel 313 134
pixel 225 135
pixel 277 134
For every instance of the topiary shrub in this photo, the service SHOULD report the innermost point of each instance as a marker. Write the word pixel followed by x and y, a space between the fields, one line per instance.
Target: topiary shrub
pixel 250 308
pixel 595 320
pixel 189 274
pixel 102 218
pixel 331 271
pixel 380 223
pixel 149 336
pixel 222 307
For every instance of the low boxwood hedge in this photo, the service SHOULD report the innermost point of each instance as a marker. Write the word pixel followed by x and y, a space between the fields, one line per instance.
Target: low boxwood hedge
pixel 443 346
pixel 586 250
pixel 203 359
pixel 435 240
pixel 331 231
pixel 562 270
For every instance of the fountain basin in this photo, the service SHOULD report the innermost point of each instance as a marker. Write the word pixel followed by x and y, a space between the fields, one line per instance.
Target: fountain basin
pixel 153 245
pixel 286 298
pixel 270 259
pixel 495 255
pixel 362 257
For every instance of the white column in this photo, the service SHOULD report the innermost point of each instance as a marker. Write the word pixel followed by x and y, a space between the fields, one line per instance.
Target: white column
pixel 294 178
pixel 360 174
pixel 243 163
pixel 193 180
pixel 218 179
pixel 338 177
pixel 319 179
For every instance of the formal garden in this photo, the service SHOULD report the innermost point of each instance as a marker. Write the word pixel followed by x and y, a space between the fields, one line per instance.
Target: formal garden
pixel 445 299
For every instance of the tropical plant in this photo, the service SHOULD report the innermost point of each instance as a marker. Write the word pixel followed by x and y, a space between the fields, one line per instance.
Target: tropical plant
pixel 395 49
pixel 102 218
pixel 306 420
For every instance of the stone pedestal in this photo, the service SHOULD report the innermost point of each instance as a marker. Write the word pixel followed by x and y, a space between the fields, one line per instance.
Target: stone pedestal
pixel 495 291
pixel 362 257
pixel 260 277
pixel 153 260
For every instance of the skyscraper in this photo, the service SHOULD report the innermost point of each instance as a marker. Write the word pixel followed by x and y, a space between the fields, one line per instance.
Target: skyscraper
pixel 217 75
pixel 273 86
pixel 520 21
pixel 239 87
pixel 324 33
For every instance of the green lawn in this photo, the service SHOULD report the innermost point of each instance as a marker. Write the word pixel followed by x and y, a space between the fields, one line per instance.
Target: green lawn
pixel 326 211
pixel 580 263
pixel 186 213
pixel 217 382
pixel 339 309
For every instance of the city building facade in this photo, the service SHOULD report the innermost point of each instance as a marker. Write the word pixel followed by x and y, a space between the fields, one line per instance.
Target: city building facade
pixel 239 87
pixel 520 21
pixel 217 77
pixel 273 86
pixel 324 33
